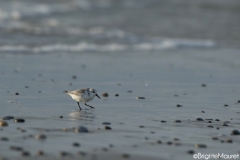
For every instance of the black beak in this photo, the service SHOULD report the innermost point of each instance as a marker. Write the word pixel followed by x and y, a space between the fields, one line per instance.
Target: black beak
pixel 98 96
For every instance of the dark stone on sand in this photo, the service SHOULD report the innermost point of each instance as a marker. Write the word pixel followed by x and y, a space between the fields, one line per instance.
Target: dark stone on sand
pixel 16 148
pixel 141 126
pixel 4 139
pixel 228 141
pixel 214 138
pixel 225 124
pixel 40 153
pixel 235 132
pixel 203 111
pixel 178 105
pixel 64 154
pixel 81 153
pixel 163 121
pixel 106 123
pixel 177 121
pixel 111 145
pixel 82 129
pixel 238 101
pixel 200 146
pixel 199 119
pixel 26 87
pixel 60 117
pixel 74 77
pixel 25 153
pixel 217 128
pixel 18 120
pixel 7 118
pixel 176 139
pixel 41 136
pixel 108 128
pixel 209 121
pixel 105 94
pixel 210 126
pixel 16 93
pixel 225 105
pixel 204 85
pixel 116 95
pixel 190 151
pixel 125 155
pixel 140 97
pixel 3 124
pixel 129 91
pixel 75 144
pixel 169 143
pixel 217 120
pixel 146 138
pixel 159 142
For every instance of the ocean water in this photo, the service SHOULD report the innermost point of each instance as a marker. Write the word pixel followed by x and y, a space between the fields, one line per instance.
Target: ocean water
pixel 170 52
pixel 111 25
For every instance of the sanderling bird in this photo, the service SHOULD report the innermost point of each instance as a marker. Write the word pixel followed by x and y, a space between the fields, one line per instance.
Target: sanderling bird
pixel 83 95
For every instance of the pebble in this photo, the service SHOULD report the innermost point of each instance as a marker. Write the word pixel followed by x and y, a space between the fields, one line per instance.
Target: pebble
pixel 116 95
pixel 19 120
pixel 140 97
pixel 190 151
pixel 106 123
pixel 40 153
pixel 200 146
pixel 63 153
pixel 210 126
pixel 60 117
pixel 7 118
pixel 75 144
pixel 203 111
pixel 16 93
pixel 26 87
pixel 177 121
pixel 82 153
pixel 3 124
pixel 178 105
pixel 225 105
pixel 159 142
pixel 16 148
pixel 163 121
pixel 105 94
pixel 74 77
pixel 235 132
pixel 41 136
pixel 111 145
pixel 217 120
pixel 228 141
pixel 141 126
pixel 82 129
pixel 4 139
pixel 225 124
pixel 125 155
pixel 25 153
pixel 209 121
pixel 199 119
pixel 108 128
pixel 204 85
pixel 214 138
pixel 238 101
pixel 129 91
pixel 169 143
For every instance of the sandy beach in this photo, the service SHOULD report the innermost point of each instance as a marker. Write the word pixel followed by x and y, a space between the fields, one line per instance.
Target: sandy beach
pixel 164 125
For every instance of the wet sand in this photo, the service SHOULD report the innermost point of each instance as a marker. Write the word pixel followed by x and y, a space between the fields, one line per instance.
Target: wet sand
pixel 178 86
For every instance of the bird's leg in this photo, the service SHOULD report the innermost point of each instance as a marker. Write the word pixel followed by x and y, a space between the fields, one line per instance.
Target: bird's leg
pixel 79 106
pixel 89 106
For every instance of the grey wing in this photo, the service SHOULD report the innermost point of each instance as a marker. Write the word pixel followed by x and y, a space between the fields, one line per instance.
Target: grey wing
pixel 78 92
